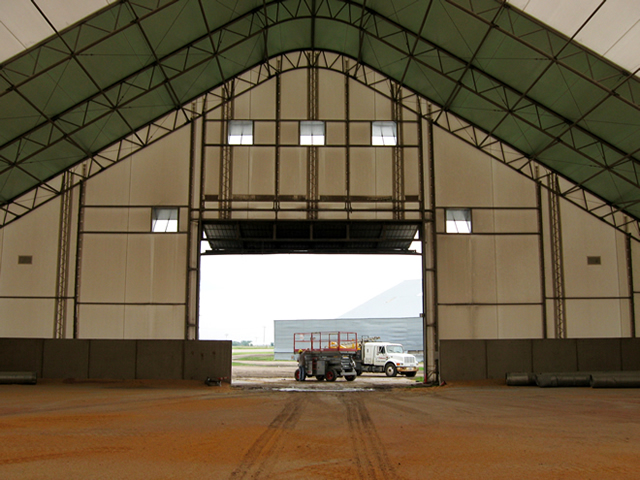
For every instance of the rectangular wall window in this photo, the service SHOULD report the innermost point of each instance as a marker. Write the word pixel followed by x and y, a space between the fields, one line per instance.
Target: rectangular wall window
pixel 312 133
pixel 240 132
pixel 164 220
pixel 458 220
pixel 384 133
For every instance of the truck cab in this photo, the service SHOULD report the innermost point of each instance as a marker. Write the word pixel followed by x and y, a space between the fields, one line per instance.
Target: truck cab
pixel 385 357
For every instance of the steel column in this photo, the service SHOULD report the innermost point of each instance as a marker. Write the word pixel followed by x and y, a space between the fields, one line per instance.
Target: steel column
pixel 557 260
pixel 398 157
pixel 62 281
pixel 312 112
pixel 543 275
pixel 226 160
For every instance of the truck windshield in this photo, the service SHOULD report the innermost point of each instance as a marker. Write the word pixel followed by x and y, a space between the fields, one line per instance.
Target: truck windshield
pixel 394 349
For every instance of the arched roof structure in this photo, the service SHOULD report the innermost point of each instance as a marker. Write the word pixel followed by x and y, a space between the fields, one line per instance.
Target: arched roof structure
pixel 517 80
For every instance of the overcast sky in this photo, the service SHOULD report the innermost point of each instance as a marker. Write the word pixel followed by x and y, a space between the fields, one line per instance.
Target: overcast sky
pixel 240 296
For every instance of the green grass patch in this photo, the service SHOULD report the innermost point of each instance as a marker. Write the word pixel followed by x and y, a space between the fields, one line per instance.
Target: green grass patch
pixel 267 357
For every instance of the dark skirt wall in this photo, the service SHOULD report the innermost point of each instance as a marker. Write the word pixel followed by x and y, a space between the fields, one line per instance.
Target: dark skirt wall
pixel 117 359
pixel 493 359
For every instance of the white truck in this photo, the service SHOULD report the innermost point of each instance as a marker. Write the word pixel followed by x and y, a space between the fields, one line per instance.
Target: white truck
pixel 375 356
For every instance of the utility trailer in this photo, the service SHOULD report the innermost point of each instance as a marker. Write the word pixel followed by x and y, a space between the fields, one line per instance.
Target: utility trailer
pixel 325 355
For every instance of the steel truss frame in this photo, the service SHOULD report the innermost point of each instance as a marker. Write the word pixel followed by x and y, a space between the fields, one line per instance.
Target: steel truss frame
pixel 371 26
pixel 218 98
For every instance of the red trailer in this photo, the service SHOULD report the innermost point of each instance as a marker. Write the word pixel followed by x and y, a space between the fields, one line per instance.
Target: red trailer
pixel 325 355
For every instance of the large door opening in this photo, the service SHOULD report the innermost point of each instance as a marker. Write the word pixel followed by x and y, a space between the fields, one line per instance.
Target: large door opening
pixel 253 274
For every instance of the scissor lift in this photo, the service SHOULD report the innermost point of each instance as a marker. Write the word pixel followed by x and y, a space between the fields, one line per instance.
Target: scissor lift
pixel 325 355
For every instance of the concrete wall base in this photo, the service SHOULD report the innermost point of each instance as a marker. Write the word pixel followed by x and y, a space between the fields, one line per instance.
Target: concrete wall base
pixel 492 359
pixel 118 359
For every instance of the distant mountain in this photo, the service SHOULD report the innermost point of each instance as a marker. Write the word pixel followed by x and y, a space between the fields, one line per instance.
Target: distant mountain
pixel 402 301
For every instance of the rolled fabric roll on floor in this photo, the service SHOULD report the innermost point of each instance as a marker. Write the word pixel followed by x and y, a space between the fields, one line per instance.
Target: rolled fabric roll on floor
pixel 574 379
pixel 615 380
pixel 520 379
pixel 25 378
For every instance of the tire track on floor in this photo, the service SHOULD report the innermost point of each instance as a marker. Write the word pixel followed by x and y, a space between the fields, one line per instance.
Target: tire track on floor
pixel 370 455
pixel 262 454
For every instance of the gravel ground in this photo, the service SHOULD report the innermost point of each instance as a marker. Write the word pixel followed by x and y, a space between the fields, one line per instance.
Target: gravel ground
pixel 178 430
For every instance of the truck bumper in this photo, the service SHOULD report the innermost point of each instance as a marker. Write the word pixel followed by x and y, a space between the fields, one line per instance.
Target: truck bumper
pixel 407 369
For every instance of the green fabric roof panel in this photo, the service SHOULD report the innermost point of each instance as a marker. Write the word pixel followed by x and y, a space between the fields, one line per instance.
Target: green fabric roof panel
pixel 136 60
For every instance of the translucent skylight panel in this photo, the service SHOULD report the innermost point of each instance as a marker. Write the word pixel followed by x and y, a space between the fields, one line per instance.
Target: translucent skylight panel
pixel 384 133
pixel 240 132
pixel 458 220
pixel 311 133
pixel 164 220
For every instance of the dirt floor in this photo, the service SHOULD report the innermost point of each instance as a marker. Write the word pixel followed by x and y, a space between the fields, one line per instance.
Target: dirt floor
pixel 316 430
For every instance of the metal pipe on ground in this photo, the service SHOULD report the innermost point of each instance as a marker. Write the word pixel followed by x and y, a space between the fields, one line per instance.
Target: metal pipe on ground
pixel 22 378
pixel 520 379
pixel 563 379
pixel 615 380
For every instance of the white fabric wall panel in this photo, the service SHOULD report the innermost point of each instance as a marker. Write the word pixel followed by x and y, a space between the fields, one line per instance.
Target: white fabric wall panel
pixel 331 105
pixel 289 133
pixel 155 268
pixel 335 133
pixel 383 108
pixel 294 103
pixel 360 133
pixel 132 321
pixel 116 219
pixel 409 130
pixel 111 187
pixel 511 189
pixel 484 272
pixel 361 102
pixel 160 172
pixel 411 171
pixel 384 171
pixel 463 175
pixel 454 267
pixel 240 178
pixel 32 318
pixel 262 167
pixel 363 178
pixel 488 269
pixel 519 321
pixel 332 171
pixel 101 321
pixel 505 221
pixel 293 171
pixel 463 322
pixel 154 321
pixel 104 263
pixel 599 318
pixel 517 269
pixel 467 322
pixel 34 235
pixel 212 171
pixel 583 236
pixel 264 133
pixel 257 104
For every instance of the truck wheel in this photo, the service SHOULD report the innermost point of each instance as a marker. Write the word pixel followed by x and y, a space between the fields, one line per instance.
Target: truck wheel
pixel 299 375
pixel 390 370
pixel 350 378
pixel 320 377
pixel 410 374
pixel 330 375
